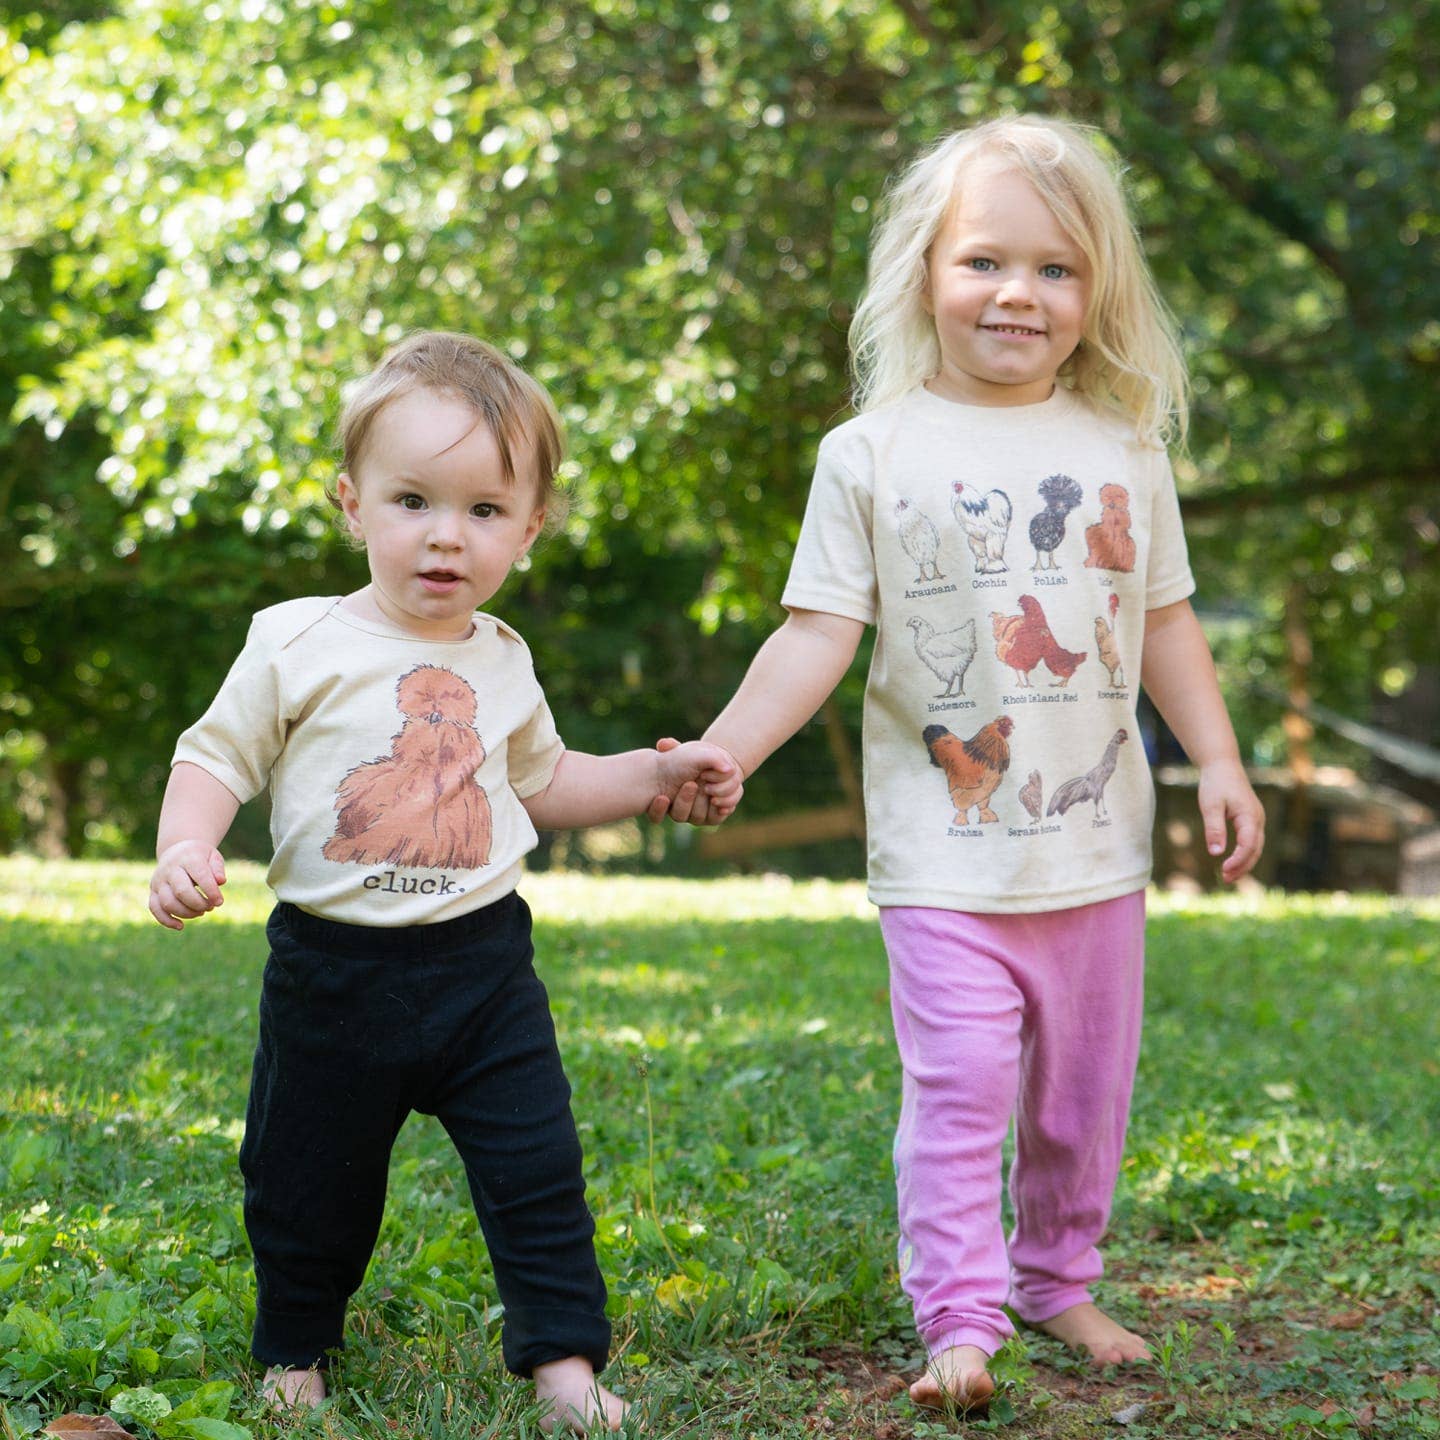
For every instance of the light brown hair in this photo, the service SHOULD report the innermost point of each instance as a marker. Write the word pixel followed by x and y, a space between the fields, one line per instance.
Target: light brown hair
pixel 515 407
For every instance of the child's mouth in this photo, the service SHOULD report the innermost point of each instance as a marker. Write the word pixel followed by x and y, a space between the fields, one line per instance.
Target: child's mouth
pixel 439 582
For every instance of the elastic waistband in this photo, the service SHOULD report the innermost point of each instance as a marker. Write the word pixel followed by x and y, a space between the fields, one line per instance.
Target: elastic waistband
pixel 507 913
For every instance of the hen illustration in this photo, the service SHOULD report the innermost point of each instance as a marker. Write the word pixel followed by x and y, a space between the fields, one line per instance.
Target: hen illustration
pixel 1107 647
pixel 1022 641
pixel 419 805
pixel 1091 785
pixel 1109 543
pixel 1032 795
pixel 985 519
pixel 947 652
pixel 973 767
pixel 1047 529
pixel 920 539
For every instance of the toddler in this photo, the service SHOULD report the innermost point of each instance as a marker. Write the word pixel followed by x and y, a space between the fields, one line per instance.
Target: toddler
pixel 410 755
pixel 1001 509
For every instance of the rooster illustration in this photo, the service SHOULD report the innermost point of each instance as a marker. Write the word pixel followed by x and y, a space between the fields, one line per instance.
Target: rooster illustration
pixel 1091 785
pixel 1032 795
pixel 985 519
pixel 947 652
pixel 1047 529
pixel 419 805
pixel 920 539
pixel 1109 543
pixel 973 767
pixel 1022 641
pixel 1107 646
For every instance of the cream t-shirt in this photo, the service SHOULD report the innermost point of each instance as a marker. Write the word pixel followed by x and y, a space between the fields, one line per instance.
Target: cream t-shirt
pixel 1006 557
pixel 396 765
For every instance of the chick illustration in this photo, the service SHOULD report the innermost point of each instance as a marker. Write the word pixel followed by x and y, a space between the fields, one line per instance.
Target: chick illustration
pixel 947 652
pixel 920 540
pixel 419 805
pixel 1047 529
pixel 1032 795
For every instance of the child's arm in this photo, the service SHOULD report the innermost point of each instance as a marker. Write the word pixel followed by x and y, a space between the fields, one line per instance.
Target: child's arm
pixel 194 818
pixel 1179 676
pixel 789 679
pixel 593 789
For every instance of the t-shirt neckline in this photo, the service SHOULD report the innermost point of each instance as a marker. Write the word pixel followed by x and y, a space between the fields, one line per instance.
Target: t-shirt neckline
pixel 1060 402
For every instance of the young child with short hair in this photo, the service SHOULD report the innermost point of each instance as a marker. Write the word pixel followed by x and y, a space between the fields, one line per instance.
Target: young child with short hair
pixel 1001 509
pixel 410 754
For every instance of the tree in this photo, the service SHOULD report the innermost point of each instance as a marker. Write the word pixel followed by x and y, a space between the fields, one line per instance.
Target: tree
pixel 663 209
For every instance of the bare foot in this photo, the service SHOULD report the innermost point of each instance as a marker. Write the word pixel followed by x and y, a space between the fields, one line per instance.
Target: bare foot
pixel 1087 1327
pixel 578 1401
pixel 955 1377
pixel 293 1389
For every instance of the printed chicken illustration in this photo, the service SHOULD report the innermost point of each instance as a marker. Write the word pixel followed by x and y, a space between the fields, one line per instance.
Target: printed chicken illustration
pixel 1047 529
pixel 985 519
pixel 1091 785
pixel 1106 645
pixel 1032 795
pixel 1022 641
pixel 947 652
pixel 920 539
pixel 419 805
pixel 973 767
pixel 1109 543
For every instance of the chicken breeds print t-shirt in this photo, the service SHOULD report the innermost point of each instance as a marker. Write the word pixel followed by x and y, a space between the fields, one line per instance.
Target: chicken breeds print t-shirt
pixel 1006 557
pixel 396 765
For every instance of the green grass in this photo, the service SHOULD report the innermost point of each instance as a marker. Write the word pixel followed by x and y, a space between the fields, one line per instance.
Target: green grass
pixel 1275 1228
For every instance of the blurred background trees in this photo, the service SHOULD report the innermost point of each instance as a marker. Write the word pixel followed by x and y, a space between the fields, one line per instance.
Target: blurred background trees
pixel 214 214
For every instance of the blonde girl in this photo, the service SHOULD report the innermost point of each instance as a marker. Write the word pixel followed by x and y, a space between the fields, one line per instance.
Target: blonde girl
pixel 1001 509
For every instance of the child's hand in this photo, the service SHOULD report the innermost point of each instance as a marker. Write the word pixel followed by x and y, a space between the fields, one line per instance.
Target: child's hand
pixel 1226 797
pixel 699 783
pixel 186 883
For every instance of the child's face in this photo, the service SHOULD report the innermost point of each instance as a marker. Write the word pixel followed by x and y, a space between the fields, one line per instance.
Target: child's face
pixel 440 523
pixel 1008 289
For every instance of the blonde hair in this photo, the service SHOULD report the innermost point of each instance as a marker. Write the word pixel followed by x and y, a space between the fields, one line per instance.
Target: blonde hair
pixel 1129 358
pixel 515 407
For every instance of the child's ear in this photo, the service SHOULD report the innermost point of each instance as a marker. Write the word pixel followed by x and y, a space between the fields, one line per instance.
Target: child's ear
pixel 349 497
pixel 537 522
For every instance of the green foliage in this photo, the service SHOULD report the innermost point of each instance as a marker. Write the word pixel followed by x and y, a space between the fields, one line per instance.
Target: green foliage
pixel 214 215
pixel 736 1087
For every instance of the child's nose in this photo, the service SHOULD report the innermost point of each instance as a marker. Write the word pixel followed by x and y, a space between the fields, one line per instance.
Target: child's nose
pixel 444 530
pixel 1015 290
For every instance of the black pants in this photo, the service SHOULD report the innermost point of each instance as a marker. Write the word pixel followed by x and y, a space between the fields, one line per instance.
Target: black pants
pixel 360 1026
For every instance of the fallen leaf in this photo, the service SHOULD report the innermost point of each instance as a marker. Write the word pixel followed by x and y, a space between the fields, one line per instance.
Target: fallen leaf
pixel 68 1425
pixel 1348 1320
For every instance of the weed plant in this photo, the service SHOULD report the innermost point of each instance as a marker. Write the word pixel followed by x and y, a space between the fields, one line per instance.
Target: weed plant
pixel 1275 1229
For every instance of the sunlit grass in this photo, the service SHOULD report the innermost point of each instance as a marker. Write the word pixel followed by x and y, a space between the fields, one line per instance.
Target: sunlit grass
pixel 736 1087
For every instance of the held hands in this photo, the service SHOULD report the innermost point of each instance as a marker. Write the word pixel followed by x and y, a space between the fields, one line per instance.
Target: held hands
pixel 186 883
pixel 699 783
pixel 1226 797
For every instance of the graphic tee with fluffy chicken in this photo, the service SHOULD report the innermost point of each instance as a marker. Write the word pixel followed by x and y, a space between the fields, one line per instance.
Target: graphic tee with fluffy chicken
pixel 1006 557
pixel 396 765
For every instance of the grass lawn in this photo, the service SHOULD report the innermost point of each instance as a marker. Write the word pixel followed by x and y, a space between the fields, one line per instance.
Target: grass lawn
pixel 1275 1230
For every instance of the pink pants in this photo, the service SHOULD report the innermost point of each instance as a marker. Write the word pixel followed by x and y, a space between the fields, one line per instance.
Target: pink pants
pixel 1032 1016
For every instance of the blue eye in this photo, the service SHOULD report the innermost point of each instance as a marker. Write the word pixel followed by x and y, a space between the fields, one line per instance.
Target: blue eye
pixel 1054 272
pixel 982 263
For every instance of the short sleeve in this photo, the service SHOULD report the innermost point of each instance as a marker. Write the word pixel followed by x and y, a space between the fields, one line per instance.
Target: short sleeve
pixel 834 565
pixel 534 750
pixel 1167 577
pixel 239 738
